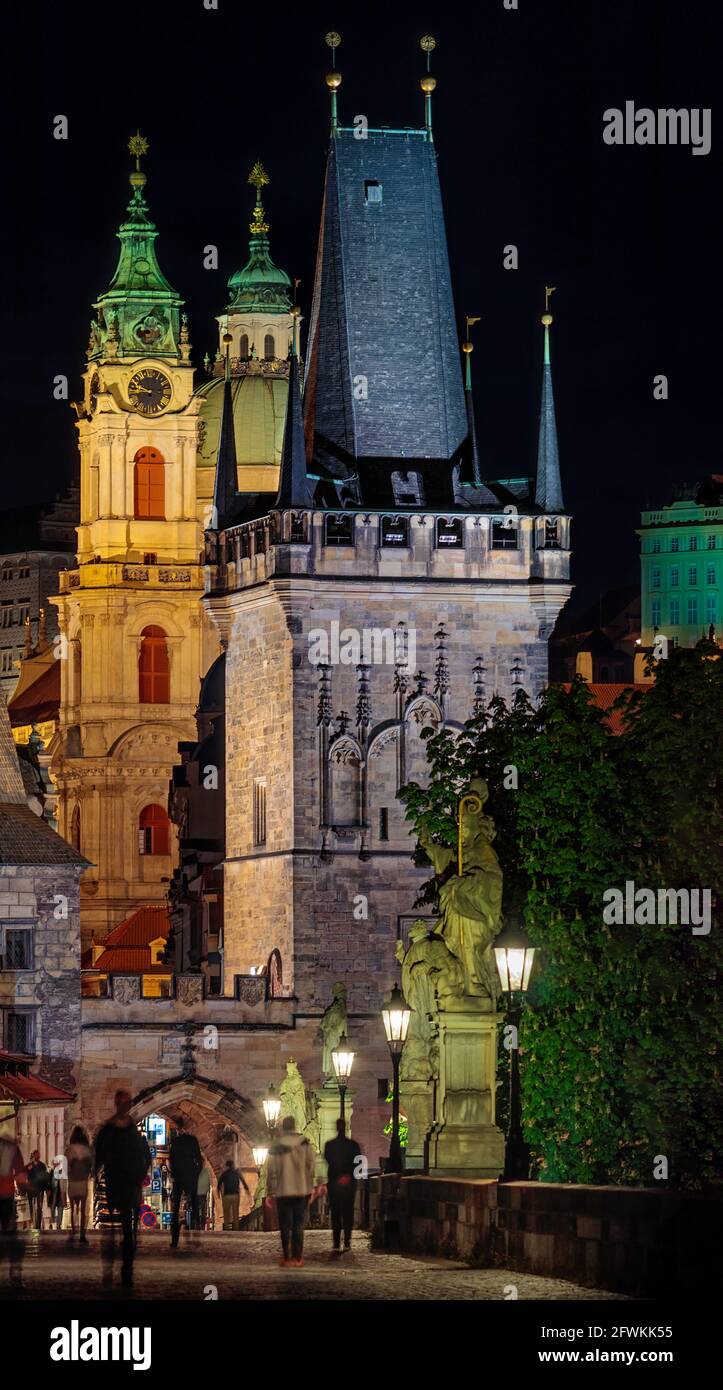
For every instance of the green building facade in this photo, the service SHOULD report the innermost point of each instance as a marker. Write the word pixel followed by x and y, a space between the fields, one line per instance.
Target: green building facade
pixel 681 560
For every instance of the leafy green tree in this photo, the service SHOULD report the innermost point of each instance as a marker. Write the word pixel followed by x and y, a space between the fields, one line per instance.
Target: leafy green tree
pixel 621 1022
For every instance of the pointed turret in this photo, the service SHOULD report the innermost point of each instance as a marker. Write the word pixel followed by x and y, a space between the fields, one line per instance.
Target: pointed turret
pixel 295 489
pixel 225 489
pixel 482 496
pixel 139 312
pixel 548 490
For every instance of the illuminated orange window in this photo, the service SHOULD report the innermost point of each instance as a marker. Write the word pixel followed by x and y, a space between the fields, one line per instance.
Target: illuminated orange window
pixel 154 671
pixel 149 485
pixel 153 830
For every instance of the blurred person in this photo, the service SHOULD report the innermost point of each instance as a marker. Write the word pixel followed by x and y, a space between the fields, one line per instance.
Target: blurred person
pixel 39 1179
pixel 186 1163
pixel 13 1174
pixel 341 1156
pixel 57 1192
pixel 229 1186
pixel 79 1158
pixel 203 1188
pixel 290 1179
pixel 124 1156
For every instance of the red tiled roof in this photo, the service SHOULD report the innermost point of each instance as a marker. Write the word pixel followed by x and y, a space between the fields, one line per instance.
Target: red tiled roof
pixel 604 696
pixel 22 1085
pixel 133 960
pixel 144 925
pixel 37 702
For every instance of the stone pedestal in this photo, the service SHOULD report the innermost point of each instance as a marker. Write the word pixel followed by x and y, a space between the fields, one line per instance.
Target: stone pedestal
pixel 328 1101
pixel 416 1100
pixel 465 1141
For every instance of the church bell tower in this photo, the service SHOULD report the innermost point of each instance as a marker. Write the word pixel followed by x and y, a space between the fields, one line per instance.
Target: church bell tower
pixel 132 646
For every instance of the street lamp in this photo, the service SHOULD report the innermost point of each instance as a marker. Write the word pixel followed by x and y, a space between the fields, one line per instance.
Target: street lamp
pixel 514 956
pixel 260 1156
pixel 342 1061
pixel 395 1016
pixel 272 1109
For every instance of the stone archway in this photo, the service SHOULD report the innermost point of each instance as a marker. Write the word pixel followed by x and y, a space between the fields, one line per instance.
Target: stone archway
pixel 225 1123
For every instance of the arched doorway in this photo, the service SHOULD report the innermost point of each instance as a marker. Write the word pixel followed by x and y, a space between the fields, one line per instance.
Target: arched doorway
pixel 225 1123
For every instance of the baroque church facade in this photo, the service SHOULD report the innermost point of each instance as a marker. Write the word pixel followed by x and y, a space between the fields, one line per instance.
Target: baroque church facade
pixel 224 531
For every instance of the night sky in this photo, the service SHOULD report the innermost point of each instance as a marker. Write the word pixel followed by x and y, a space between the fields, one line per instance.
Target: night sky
pixel 630 236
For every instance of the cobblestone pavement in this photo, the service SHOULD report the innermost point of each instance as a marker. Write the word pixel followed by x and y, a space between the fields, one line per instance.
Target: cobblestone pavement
pixel 245 1266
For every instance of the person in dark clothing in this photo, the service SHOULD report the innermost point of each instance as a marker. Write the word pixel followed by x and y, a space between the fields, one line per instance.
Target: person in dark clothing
pixel 39 1179
pixel 341 1156
pixel 186 1163
pixel 125 1158
pixel 229 1186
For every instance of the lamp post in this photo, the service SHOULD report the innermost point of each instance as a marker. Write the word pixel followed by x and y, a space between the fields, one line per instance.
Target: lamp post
pixel 342 1061
pixel 514 956
pixel 272 1109
pixel 395 1016
pixel 260 1156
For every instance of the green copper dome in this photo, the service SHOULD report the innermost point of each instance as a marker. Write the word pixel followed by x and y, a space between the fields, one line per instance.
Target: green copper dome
pixel 139 312
pixel 259 415
pixel 260 286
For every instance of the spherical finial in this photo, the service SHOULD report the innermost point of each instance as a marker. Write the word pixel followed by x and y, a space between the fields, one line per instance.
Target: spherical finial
pixel 295 310
pixel 547 320
pixel 468 347
pixel 333 81
pixel 427 43
pixel 137 179
pixel 427 84
pixel 332 39
pixel 227 338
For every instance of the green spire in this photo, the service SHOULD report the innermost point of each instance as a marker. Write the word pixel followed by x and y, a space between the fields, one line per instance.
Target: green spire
pixel 260 287
pixel 548 489
pixel 139 313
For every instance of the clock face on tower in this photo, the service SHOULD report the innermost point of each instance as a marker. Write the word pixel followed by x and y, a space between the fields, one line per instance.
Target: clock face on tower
pixel 149 391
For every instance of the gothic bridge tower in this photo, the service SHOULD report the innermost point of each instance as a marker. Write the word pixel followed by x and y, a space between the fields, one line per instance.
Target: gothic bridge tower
pixel 397 581
pixel 134 647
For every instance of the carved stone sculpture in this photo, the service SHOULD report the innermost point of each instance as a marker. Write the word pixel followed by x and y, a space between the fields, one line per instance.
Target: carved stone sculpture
pixel 333 1027
pixel 292 1095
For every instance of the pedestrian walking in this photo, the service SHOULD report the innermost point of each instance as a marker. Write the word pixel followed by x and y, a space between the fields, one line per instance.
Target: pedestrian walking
pixel 79 1159
pixel 229 1186
pixel 39 1179
pixel 186 1163
pixel 290 1179
pixel 124 1156
pixel 341 1156
pixel 12 1174
pixel 57 1193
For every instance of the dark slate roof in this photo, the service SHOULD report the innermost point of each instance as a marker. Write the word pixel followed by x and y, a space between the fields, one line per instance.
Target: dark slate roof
pixel 295 488
pixel 11 782
pixel 548 490
pixel 28 839
pixel 383 308
pixel 226 481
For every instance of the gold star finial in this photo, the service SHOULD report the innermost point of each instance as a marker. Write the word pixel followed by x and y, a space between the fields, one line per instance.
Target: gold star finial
pixel 138 145
pixel 259 178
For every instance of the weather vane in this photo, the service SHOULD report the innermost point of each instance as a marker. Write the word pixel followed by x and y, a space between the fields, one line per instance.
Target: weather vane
pixel 333 40
pixel 138 145
pixel 549 289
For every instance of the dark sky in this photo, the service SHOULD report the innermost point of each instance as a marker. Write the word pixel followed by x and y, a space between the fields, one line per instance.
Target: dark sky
pixel 630 236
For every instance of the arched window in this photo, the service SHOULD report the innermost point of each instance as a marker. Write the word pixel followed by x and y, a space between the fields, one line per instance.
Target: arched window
pixel 154 671
pixel 153 834
pixel 149 485
pixel 243 347
pixel 269 347
pixel 75 828
pixel 274 976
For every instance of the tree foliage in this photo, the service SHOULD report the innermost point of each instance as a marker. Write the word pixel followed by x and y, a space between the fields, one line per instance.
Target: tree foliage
pixel 620 1036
